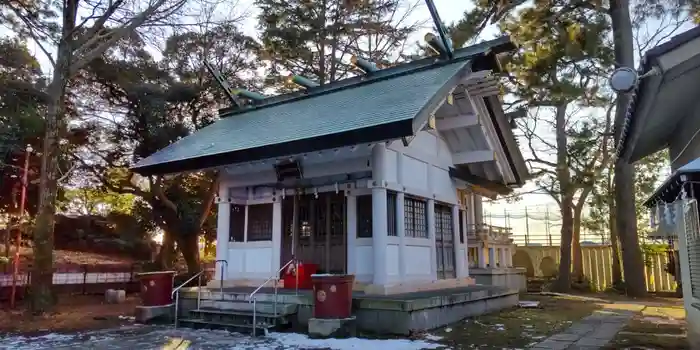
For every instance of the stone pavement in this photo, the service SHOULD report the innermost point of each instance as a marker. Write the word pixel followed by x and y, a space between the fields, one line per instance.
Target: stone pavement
pixel 591 332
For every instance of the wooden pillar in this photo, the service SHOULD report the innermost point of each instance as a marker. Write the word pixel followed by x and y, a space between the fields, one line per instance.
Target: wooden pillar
pixel 223 228
pixel 380 236
pixel 351 225
pixel 460 261
pixel 327 216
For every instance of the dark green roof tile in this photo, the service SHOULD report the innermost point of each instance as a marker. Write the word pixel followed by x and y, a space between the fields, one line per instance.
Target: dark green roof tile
pixel 384 101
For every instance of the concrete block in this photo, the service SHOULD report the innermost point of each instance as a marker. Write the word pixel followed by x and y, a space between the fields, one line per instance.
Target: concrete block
pixel 113 296
pixel 332 328
pixel 155 314
pixel 110 296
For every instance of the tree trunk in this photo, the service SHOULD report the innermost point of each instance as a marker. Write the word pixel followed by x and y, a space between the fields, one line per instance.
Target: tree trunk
pixel 42 272
pixel 615 247
pixel 576 253
pixel 563 283
pixel 166 255
pixel 189 247
pixel 626 216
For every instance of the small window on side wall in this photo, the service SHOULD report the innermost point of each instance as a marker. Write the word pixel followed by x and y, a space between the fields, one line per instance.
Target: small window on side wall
pixel 260 222
pixel 364 216
pixel 237 223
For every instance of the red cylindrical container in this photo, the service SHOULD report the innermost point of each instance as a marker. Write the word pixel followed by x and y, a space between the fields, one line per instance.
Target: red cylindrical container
pixel 156 287
pixel 332 296
pixel 305 272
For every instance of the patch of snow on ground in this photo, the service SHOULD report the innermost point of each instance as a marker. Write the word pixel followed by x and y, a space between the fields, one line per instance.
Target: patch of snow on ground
pixel 155 337
pixel 431 337
pixel 302 341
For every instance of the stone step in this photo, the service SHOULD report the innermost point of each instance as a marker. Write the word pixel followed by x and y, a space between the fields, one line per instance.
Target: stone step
pixel 239 317
pixel 260 306
pixel 214 294
pixel 233 327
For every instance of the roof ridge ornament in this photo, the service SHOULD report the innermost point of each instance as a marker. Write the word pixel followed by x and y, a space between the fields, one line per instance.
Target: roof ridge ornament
pixel 231 93
pixel 302 81
pixel 365 65
pixel 442 31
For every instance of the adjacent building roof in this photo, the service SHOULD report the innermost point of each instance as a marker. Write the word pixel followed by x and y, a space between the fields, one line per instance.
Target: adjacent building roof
pixel 643 97
pixel 370 108
pixel 669 190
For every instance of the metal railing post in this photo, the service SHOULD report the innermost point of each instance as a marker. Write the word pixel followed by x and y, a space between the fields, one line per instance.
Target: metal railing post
pixel 255 322
pixel 224 267
pixel 252 298
pixel 274 303
pixel 177 305
pixel 296 275
pixel 199 291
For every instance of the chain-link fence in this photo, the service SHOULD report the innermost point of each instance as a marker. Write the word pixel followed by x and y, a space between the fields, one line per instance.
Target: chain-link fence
pixel 538 226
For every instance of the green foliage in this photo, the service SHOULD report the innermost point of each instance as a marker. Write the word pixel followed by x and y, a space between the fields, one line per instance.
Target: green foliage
pixel 96 201
pixel 316 38
pixel 651 251
pixel 649 173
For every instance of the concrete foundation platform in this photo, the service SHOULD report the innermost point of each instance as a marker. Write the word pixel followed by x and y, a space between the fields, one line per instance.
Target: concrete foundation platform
pixel 333 328
pixel 397 314
pixel 155 314
pixel 508 277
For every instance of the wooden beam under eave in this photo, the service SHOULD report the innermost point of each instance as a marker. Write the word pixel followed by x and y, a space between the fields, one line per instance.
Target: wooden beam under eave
pixel 457 122
pixel 472 157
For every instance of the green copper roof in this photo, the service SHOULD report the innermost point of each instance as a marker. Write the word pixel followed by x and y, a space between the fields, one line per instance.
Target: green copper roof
pixel 374 108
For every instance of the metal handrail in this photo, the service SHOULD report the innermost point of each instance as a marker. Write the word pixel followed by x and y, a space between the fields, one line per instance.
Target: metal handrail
pixel 252 298
pixel 221 280
pixel 176 291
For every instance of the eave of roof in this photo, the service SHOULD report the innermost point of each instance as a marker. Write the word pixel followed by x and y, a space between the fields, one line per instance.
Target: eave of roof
pixel 671 187
pixel 646 88
pixel 509 144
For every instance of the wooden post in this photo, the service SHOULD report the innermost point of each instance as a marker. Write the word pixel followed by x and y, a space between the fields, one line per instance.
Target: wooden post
pixel 295 224
pixel 328 218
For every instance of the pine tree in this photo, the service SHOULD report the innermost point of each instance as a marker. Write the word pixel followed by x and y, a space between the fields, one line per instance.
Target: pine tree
pixel 316 38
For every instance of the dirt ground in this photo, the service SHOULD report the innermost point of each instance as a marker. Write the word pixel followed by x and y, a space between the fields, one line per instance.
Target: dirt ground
pixel 524 327
pixel 71 257
pixel 73 313
pixel 658 326
pixel 518 327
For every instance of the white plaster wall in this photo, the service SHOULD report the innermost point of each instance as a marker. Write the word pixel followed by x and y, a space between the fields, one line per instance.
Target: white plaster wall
pixel 422 168
pixel 392 260
pixel 419 261
pixel 364 258
pixel 251 260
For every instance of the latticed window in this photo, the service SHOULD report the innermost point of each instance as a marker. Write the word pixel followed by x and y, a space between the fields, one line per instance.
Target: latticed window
pixel 416 217
pixel 391 214
pixel 364 216
pixel 692 234
pixel 260 222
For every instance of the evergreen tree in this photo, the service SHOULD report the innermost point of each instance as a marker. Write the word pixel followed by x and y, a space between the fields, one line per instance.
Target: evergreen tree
pixel 560 74
pixel 316 38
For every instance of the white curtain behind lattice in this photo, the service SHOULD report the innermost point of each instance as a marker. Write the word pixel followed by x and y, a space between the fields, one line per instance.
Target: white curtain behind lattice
pixel 691 229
